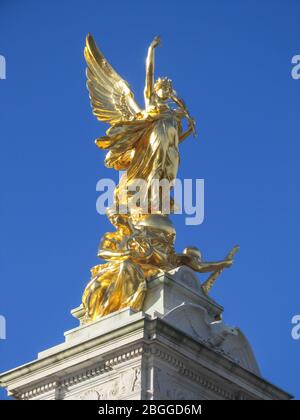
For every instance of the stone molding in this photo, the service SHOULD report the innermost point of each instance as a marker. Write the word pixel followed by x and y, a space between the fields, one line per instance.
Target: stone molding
pixel 111 362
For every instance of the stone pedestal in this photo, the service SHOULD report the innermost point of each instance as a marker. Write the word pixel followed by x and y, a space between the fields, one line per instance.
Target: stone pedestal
pixel 176 348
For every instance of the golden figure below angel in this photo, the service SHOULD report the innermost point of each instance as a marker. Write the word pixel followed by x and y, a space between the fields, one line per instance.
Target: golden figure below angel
pixel 143 143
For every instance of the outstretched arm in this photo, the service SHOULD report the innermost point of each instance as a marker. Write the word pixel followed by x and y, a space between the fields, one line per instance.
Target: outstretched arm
pixel 214 266
pixel 203 267
pixel 148 91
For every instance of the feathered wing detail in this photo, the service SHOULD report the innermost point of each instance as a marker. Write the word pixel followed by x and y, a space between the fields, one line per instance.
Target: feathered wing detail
pixel 112 100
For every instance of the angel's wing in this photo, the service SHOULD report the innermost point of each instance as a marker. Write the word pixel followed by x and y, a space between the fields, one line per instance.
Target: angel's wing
pixel 111 98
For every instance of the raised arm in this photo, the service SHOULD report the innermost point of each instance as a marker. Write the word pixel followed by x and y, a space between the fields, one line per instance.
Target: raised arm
pixel 148 91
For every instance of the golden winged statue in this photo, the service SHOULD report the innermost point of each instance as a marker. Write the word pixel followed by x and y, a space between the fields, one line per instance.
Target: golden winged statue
pixel 144 144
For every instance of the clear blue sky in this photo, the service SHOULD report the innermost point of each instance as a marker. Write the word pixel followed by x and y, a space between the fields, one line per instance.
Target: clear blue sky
pixel 231 62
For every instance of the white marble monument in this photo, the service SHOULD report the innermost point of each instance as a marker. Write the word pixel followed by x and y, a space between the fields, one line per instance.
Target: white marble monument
pixel 176 348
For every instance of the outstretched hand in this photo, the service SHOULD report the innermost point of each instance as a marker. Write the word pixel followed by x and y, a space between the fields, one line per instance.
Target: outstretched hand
pixel 156 41
pixel 229 259
pixel 228 263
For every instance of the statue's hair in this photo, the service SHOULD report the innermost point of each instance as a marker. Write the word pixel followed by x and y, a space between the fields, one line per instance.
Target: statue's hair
pixel 165 81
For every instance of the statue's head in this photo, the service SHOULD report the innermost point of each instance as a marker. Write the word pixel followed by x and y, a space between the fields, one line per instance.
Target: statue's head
pixel 163 88
pixel 159 227
pixel 193 252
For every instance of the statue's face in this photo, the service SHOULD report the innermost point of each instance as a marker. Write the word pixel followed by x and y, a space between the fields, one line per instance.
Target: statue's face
pixel 162 93
pixel 163 90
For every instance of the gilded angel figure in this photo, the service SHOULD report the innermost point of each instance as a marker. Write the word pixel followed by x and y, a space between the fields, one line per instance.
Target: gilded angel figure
pixel 144 143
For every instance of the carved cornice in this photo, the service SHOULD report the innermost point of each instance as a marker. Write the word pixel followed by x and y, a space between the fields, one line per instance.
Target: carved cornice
pixel 82 376
pixel 124 355
pixel 34 392
pixel 189 373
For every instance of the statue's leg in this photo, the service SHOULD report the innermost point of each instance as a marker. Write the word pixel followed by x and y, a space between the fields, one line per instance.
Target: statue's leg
pixel 94 294
pixel 127 289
